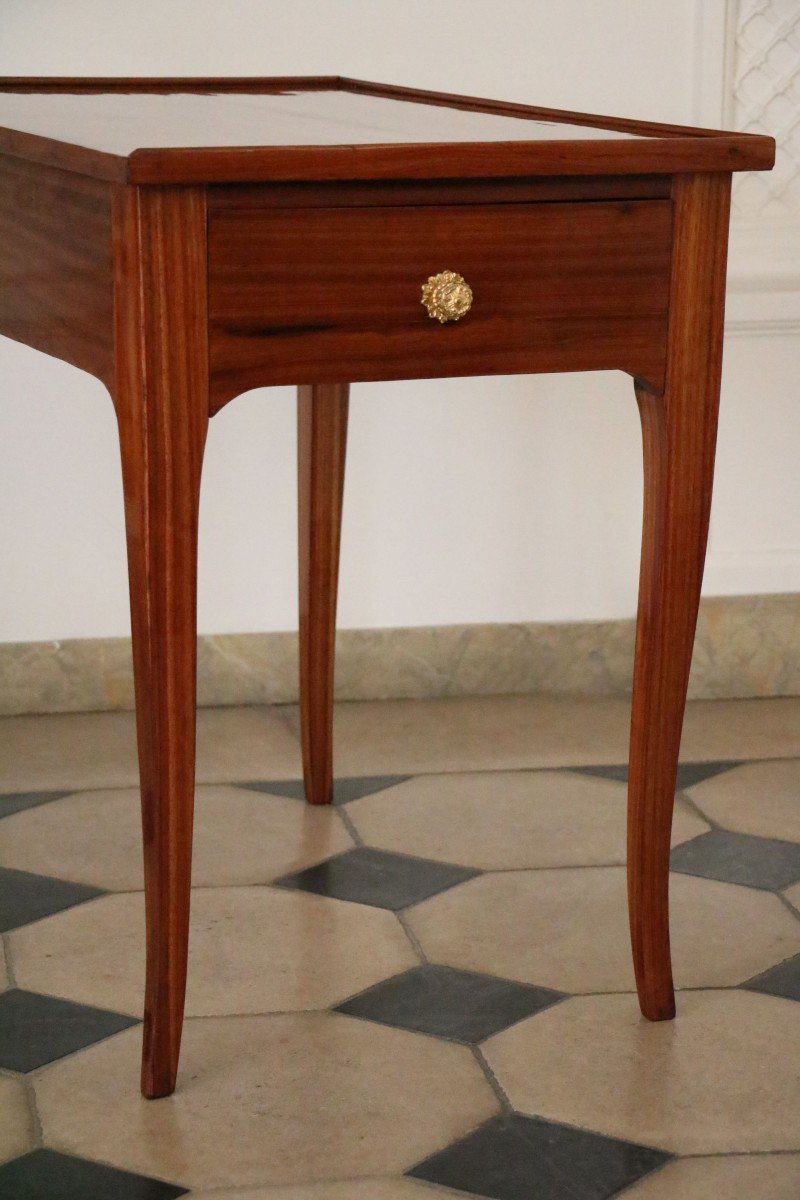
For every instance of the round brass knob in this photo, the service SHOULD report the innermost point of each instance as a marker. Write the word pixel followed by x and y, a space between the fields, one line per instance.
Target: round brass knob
pixel 447 296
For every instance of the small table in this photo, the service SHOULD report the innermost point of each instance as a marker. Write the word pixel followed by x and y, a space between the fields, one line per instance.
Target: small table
pixel 187 239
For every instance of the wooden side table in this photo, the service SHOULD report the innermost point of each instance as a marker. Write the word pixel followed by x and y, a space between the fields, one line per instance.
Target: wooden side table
pixel 185 240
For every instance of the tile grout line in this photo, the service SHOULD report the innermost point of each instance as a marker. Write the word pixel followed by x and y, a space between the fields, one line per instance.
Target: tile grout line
pixel 741 1153
pixel 6 945
pixel 694 807
pixel 348 823
pixel 247 1189
pixel 630 1189
pixel 494 1083
pixel 352 829
pixel 416 945
pixel 33 1109
pixel 786 902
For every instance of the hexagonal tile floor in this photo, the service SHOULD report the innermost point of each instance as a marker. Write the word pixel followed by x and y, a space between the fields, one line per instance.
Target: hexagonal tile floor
pixel 425 990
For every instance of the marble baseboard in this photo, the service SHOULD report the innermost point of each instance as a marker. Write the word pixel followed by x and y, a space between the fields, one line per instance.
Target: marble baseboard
pixel 746 646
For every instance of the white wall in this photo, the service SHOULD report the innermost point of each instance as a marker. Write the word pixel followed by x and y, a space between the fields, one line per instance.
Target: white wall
pixel 496 499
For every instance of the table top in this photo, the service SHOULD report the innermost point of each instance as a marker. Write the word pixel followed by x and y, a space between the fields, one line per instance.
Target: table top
pixel 229 130
pixel 121 123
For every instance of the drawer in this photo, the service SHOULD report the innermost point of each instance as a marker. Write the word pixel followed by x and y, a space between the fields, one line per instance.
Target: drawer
pixel 309 295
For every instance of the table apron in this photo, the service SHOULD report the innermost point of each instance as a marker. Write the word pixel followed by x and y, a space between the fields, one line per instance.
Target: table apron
pixel 334 294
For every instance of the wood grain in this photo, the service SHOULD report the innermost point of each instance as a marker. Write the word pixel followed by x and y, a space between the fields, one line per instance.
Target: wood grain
pixel 161 398
pixel 119 123
pixel 330 294
pixel 662 149
pixel 56 290
pixel 322 442
pixel 226 84
pixel 679 429
pixel 441 160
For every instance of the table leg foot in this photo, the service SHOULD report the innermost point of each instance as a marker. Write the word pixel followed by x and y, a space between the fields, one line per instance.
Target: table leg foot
pixel 322 438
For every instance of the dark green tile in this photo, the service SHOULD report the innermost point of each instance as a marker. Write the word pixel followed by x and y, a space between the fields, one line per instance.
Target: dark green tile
pixel 377 877
pixel 25 897
pixel 781 980
pixel 48 1175
pixel 527 1158
pixel 36 1029
pixel 12 802
pixel 458 1005
pixel 739 858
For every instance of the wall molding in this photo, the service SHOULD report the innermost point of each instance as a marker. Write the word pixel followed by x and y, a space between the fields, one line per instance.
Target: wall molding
pixel 745 63
pixel 745 646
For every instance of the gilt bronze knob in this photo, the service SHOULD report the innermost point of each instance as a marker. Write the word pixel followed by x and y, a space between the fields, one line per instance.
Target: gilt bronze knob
pixel 447 296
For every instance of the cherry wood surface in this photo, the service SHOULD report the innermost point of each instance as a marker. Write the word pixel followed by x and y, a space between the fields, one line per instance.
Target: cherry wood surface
pixel 55 264
pixel 161 397
pixel 328 294
pixel 183 275
pixel 120 122
pixel 342 151
pixel 476 160
pixel 321 443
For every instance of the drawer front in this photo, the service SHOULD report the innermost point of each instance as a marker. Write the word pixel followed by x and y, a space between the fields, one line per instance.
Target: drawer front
pixel 334 294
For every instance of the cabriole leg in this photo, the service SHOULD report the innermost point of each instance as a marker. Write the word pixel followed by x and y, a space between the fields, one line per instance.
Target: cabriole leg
pixel 679 426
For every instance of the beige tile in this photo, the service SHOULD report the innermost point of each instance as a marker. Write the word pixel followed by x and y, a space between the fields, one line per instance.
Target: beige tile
pixel 69 750
pixel 740 1177
pixel 722 1077
pixel 495 732
pixel 768 728
pixel 240 837
pixel 86 750
pixel 345 1189
pixel 268 1100
pixel 16 1130
pixel 760 798
pixel 245 743
pixel 568 929
pixel 502 819
pixel 83 750
pixel 252 950
pixel 478 733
